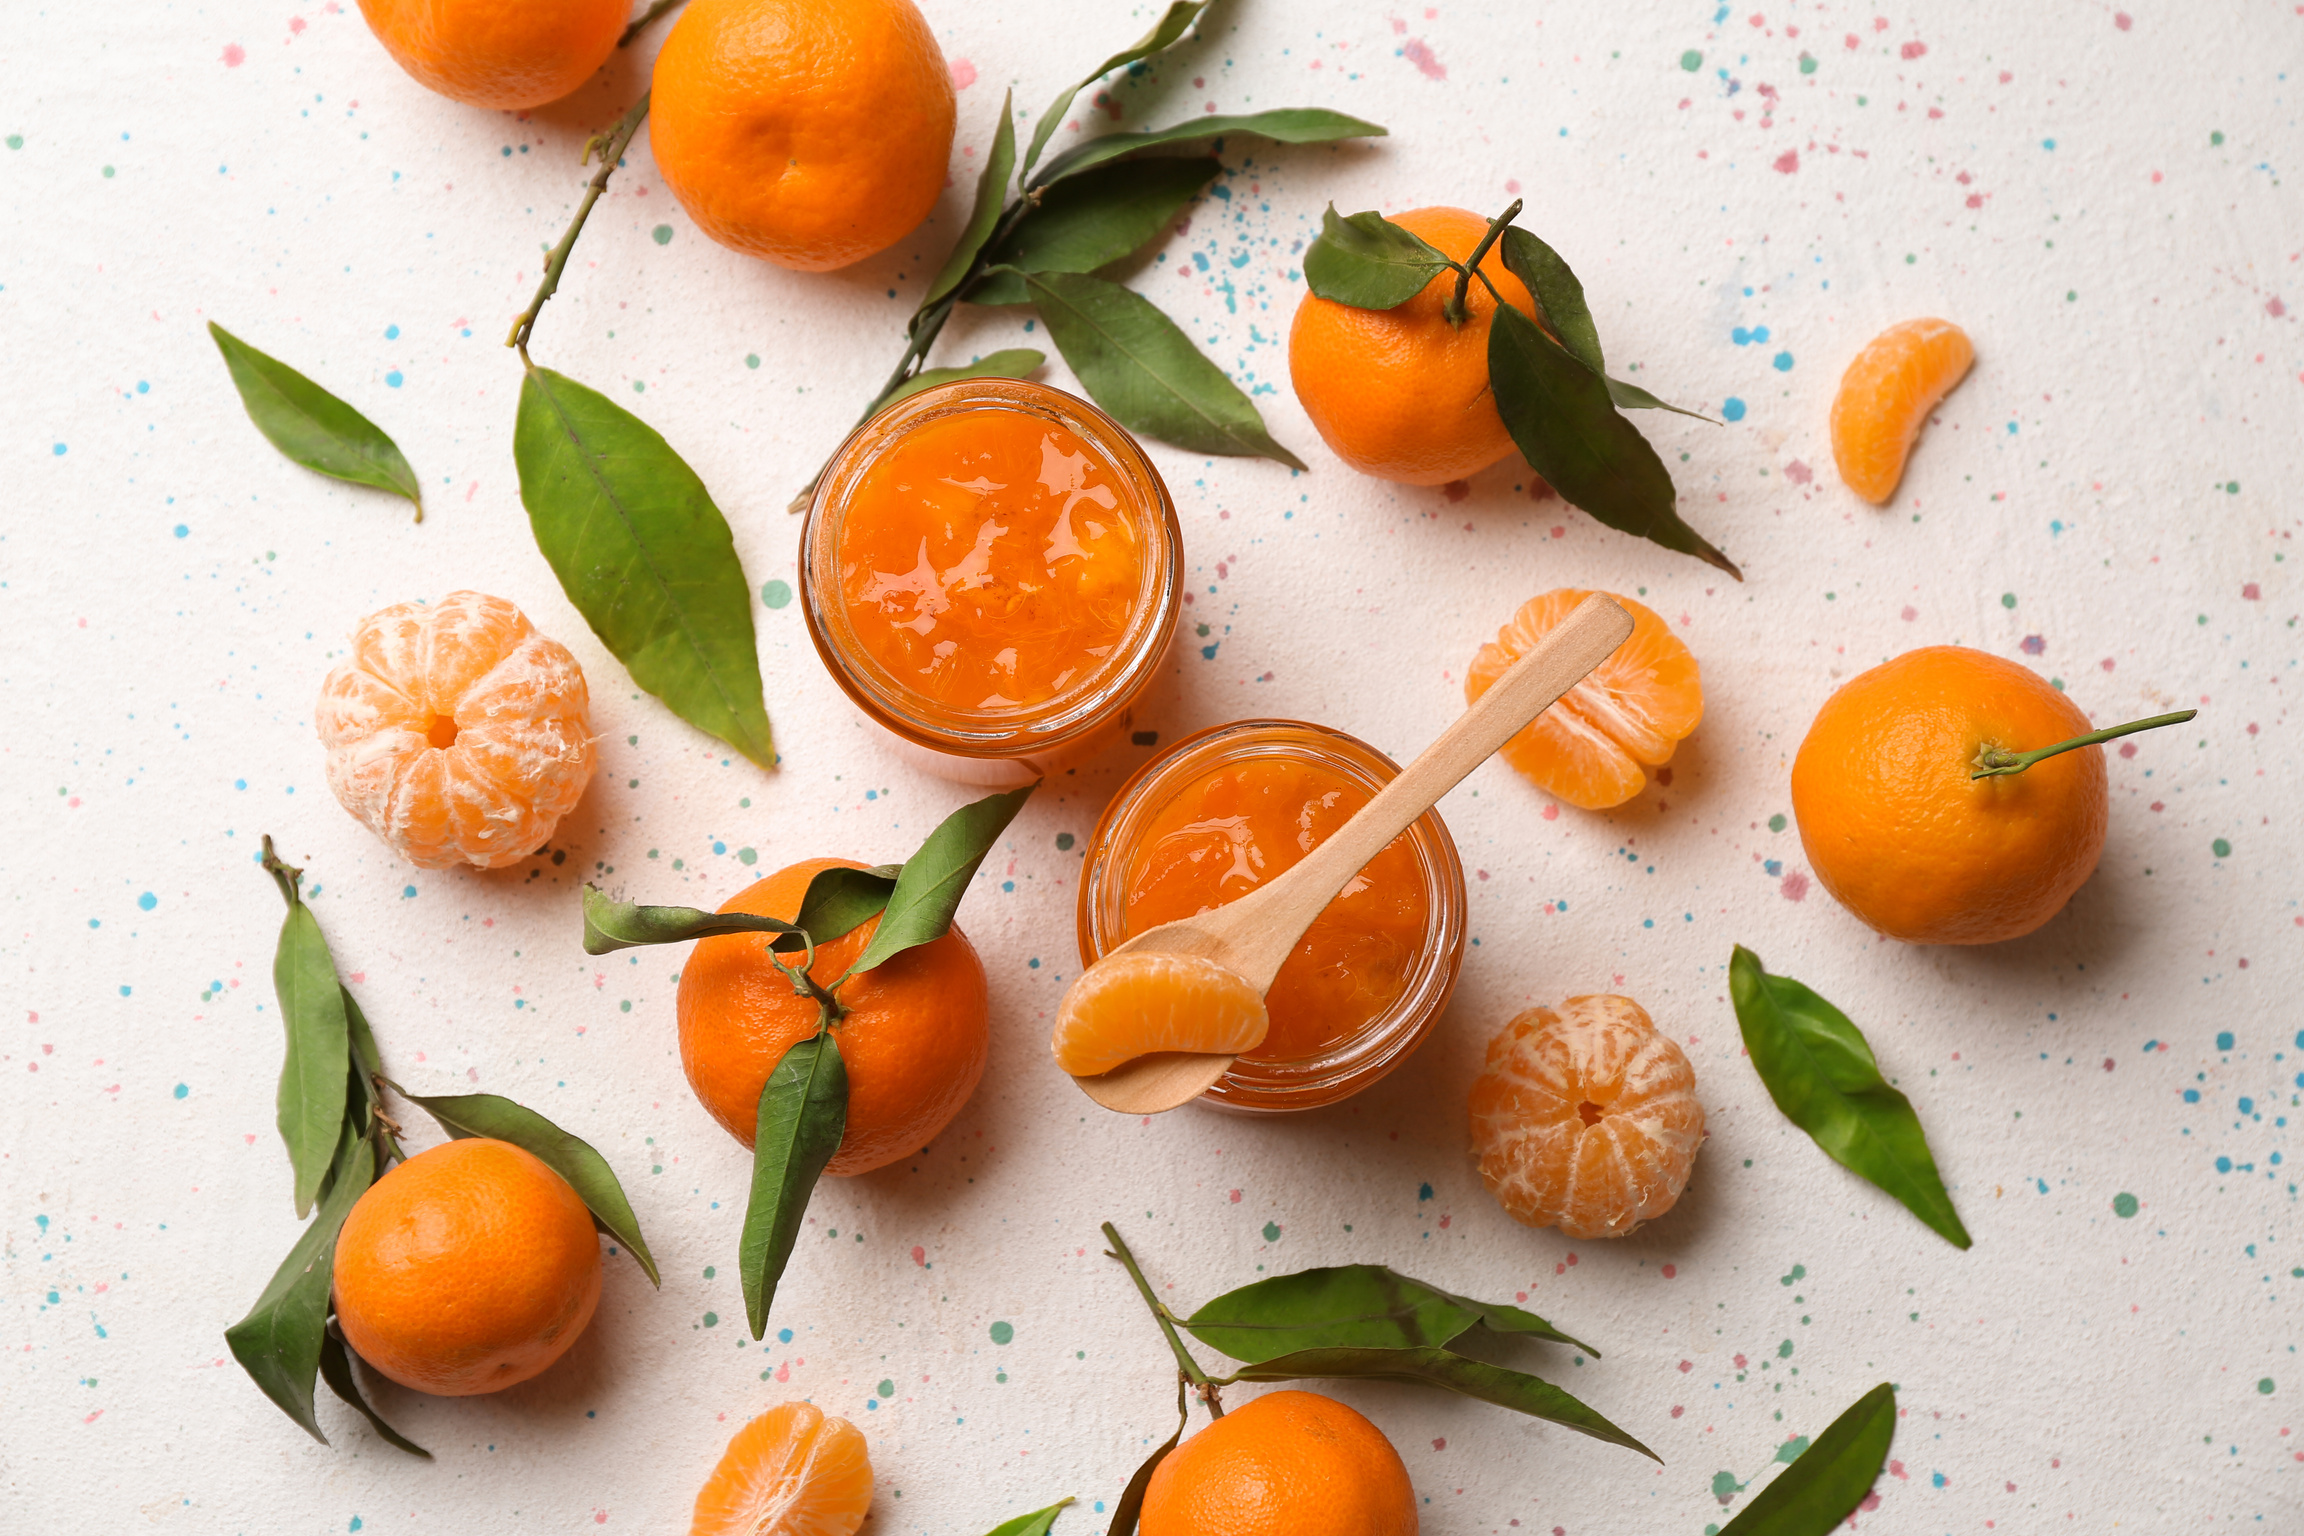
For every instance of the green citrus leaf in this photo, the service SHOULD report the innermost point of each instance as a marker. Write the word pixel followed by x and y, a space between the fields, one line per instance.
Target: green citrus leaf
pixel 1369 262
pixel 803 1114
pixel 1130 1508
pixel 464 1115
pixel 613 925
pixel 1818 1067
pixel 1559 295
pixel 1138 365
pixel 1559 413
pixel 1089 221
pixel 838 901
pixel 643 554
pixel 279 1342
pixel 1427 1367
pixel 1347 1306
pixel 1014 363
pixel 991 192
pixel 311 426
pixel 336 1370
pixel 1283 125
pixel 1502 1317
pixel 1179 15
pixel 1631 397
pixel 1033 1524
pixel 313 1073
pixel 927 893
pixel 1825 1482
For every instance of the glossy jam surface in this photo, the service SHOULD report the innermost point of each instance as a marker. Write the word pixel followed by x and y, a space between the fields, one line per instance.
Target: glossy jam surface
pixel 990 559
pixel 1246 823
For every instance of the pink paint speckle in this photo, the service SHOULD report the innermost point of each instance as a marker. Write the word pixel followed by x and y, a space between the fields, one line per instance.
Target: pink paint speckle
pixel 784 1371
pixel 1686 1366
pixel 1787 162
pixel 1913 50
pixel 1235 1197
pixel 1896 1470
pixel 1798 473
pixel 963 74
pixel 1795 886
pixel 1417 52
pixel 1671 1271
pixel 2251 592
pixel 2275 308
pixel 296 25
pixel 1909 614
pixel 234 55
pixel 2123 20
pixel 2033 645
pixel 1551 813
pixel 919 1255
pixel 1440 1444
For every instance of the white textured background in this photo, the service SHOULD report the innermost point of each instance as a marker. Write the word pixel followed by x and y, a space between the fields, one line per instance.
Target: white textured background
pixel 2100 198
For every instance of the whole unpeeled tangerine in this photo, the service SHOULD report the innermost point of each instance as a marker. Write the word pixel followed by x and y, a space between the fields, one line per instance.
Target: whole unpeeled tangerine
pixel 1900 832
pixel 807 132
pixel 507 54
pixel 1286 1464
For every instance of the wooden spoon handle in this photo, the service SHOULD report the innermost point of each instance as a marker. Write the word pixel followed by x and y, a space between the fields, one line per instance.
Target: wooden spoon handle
pixel 1558 662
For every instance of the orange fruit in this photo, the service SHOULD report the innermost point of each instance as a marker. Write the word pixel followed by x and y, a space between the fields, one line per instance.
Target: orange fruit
pixel 914 1041
pixel 1400 393
pixel 1129 1005
pixel 1585 1118
pixel 1593 747
pixel 790 1472
pixel 457 733
pixel 468 1268
pixel 506 54
pixel 1898 831
pixel 1885 397
pixel 808 132
pixel 1286 1464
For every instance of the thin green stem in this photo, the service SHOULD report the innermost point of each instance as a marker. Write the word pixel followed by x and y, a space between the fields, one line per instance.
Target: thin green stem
pixel 1161 1315
pixel 288 877
pixel 611 146
pixel 1994 762
pixel 806 985
pixel 925 328
pixel 1454 309
pixel 647 16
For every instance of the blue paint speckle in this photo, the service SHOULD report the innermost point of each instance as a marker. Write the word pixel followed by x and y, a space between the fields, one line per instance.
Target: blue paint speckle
pixel 183 1090
pixel 1782 362
pixel 391 333
pixel 393 378
pixel 58 450
pixel 2224 1040
pixel 183 530
pixel 147 902
pixel 407 892
pixel 1732 408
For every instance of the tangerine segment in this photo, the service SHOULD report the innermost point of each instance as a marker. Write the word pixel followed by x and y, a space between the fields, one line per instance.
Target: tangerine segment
pixel 1885 397
pixel 790 1472
pixel 1134 1004
pixel 456 732
pixel 1593 747
pixel 1246 824
pixel 470 1267
pixel 504 54
pixel 1585 1118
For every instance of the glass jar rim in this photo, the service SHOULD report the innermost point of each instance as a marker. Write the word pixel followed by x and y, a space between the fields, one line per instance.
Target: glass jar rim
pixel 1078 710
pixel 1266 1086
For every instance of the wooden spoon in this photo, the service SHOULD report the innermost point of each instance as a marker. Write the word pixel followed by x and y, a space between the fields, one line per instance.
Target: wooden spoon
pixel 1255 934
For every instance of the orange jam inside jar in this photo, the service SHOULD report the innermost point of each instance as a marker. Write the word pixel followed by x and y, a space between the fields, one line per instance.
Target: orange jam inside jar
pixel 991 573
pixel 1230 809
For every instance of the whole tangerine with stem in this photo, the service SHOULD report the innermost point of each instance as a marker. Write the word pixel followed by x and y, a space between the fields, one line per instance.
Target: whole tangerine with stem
pixel 914 1039
pixel 1585 1118
pixel 456 732
pixel 468 1268
pixel 1901 830
pixel 1594 746
pixel 1885 397
pixel 1403 393
pixel 505 54
pixel 1282 1465
pixel 793 1471
pixel 810 133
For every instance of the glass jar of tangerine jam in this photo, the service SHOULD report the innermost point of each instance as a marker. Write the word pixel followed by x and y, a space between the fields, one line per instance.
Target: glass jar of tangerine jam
pixel 1224 811
pixel 991 570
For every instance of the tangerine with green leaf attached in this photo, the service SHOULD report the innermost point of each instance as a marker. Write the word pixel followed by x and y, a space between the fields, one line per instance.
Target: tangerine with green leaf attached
pixel 808 132
pixel 468 1268
pixel 1593 748
pixel 1885 397
pixel 505 54
pixel 1403 393
pixel 1898 827
pixel 914 1038
pixel 1585 1118
pixel 1285 1464
pixel 793 1471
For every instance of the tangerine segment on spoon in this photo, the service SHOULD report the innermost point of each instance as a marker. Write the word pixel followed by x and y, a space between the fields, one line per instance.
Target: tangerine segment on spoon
pixel 1885 397
pixel 1136 1004
pixel 1253 937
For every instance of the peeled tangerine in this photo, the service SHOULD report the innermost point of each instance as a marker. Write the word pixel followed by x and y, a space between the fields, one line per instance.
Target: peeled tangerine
pixel 1585 1118
pixel 1885 397
pixel 793 1471
pixel 457 733
pixel 1593 748
pixel 1133 1004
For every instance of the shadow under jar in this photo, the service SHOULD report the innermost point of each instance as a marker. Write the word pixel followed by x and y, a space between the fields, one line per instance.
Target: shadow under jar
pixel 1223 812
pixel 991 571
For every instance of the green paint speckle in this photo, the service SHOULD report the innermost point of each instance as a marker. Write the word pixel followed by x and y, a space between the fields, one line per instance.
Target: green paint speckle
pixel 887 1389
pixel 1063 842
pixel 2220 848
pixel 1271 1231
pixel 2123 1205
pixel 15 141
pixel 1690 61
pixel 2007 599
pixel 2231 487
pixel 663 234
pixel 1003 1332
pixel 1799 1272
pixel 1807 63
pixel 107 173
pixel 776 593
pixel 1725 1486
pixel 1776 822
pixel 747 855
pixel 711 1319
pixel 2265 1386
pixel 1784 1350
pixel 751 359
pixel 1790 1450
pixel 709 1271
pixel 2215 137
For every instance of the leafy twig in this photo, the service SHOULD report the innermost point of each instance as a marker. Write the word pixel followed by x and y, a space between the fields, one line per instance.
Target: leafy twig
pixel 611 146
pixel 640 25
pixel 1189 1367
